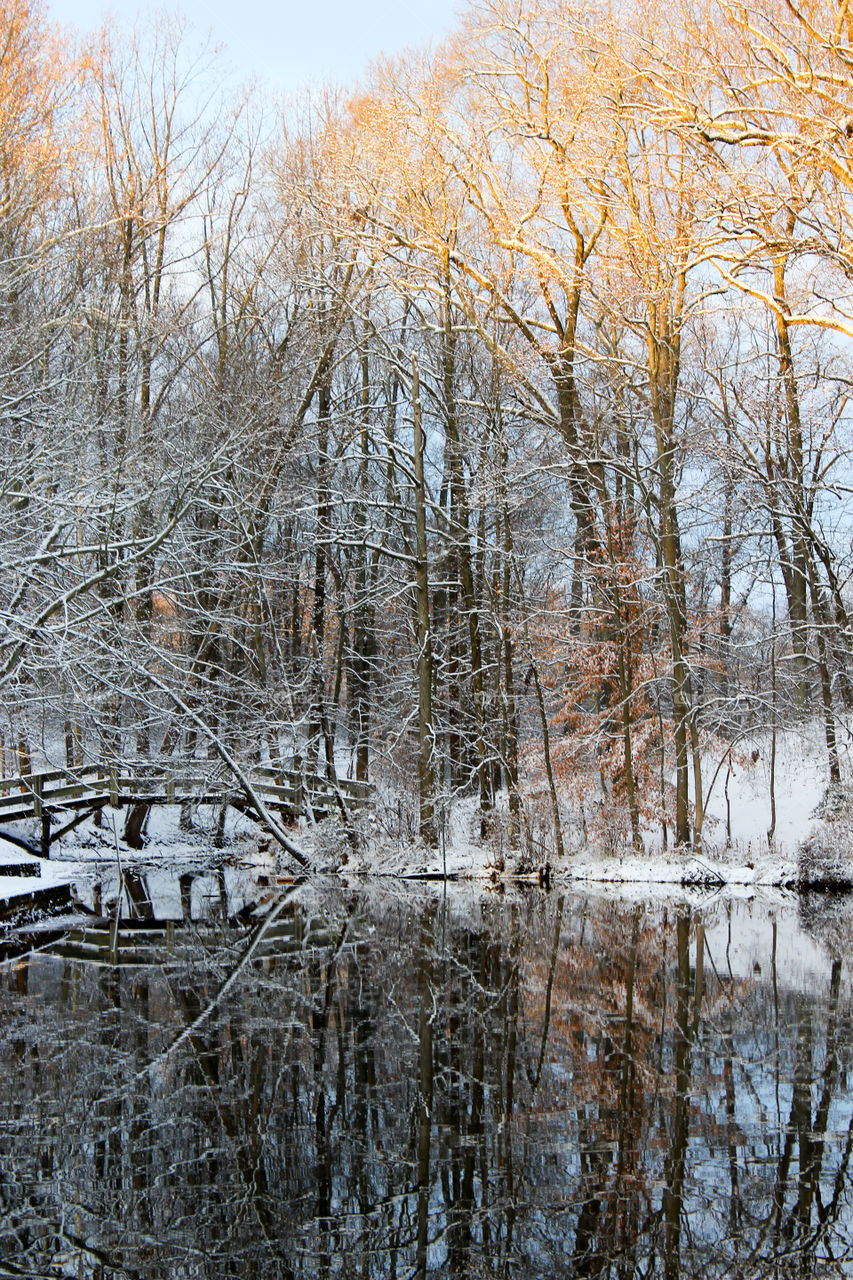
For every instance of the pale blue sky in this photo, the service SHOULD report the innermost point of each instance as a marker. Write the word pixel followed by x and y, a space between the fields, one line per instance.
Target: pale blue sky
pixel 289 43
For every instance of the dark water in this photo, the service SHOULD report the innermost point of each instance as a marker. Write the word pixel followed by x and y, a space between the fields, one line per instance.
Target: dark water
pixel 372 1084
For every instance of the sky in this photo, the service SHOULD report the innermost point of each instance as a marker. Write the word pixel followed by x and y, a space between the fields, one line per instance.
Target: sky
pixel 288 44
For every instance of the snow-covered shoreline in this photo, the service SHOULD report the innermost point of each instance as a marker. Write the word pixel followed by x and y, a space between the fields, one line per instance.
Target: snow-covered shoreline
pixel 809 843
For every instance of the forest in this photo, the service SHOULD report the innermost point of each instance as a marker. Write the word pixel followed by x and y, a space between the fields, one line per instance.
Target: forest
pixel 481 432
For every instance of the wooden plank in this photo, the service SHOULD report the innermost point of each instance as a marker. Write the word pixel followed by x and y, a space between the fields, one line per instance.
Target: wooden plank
pixel 315 782
pixel 16 815
pixel 90 799
pixel 24 808
pixel 49 798
pixel 15 802
pixel 285 795
pixel 52 775
pixel 173 782
pixel 55 795
pixel 193 797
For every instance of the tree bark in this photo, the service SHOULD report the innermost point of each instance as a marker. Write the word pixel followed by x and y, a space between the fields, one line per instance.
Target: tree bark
pixel 426 728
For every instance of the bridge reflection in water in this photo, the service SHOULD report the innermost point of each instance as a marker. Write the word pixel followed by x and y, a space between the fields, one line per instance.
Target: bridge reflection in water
pixel 334 1082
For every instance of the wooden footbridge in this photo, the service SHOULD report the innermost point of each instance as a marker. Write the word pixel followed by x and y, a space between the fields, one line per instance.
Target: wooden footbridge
pixel 50 797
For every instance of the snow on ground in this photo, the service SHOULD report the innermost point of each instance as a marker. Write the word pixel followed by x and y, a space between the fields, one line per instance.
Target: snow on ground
pixel 739 802
pixel 737 786
pixel 737 848
pixel 801 777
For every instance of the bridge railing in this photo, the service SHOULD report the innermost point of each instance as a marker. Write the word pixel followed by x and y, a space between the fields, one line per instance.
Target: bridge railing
pixel 30 795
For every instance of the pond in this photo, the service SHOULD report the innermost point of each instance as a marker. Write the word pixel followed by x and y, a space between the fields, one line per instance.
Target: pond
pixel 382 1081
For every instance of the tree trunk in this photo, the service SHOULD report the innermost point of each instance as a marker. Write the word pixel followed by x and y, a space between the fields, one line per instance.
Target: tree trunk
pixel 426 729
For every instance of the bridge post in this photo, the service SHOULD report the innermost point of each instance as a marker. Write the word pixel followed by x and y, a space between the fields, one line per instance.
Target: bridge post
pixel 298 787
pixel 36 785
pixel 45 833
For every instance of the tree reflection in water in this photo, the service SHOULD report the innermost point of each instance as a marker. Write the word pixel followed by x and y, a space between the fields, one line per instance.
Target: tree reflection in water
pixel 380 1086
